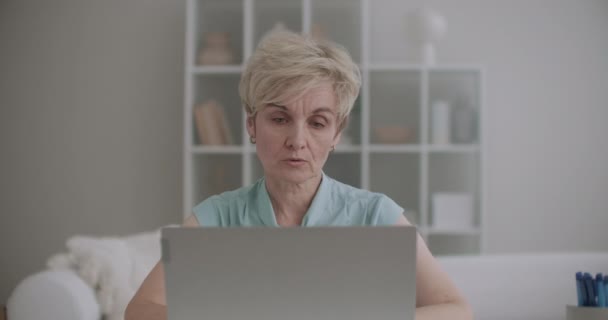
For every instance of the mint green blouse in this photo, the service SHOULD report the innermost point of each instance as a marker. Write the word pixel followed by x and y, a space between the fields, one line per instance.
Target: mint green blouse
pixel 335 204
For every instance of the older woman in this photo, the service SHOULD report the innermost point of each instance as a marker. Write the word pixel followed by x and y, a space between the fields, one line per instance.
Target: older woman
pixel 298 93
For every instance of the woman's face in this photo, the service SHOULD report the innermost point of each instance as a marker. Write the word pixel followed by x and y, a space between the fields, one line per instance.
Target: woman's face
pixel 294 139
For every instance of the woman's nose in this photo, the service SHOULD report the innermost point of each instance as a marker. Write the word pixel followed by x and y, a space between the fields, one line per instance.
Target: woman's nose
pixel 296 138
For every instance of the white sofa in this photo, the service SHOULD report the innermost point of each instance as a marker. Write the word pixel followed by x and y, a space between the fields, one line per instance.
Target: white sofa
pixel 509 287
pixel 522 286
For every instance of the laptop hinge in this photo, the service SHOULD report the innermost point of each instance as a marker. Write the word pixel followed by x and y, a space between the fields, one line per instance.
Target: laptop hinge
pixel 164 246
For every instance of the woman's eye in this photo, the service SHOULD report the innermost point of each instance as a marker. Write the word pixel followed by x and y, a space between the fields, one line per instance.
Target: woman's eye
pixel 279 120
pixel 318 125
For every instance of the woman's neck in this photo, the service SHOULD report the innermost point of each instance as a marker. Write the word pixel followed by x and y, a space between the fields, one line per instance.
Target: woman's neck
pixel 290 201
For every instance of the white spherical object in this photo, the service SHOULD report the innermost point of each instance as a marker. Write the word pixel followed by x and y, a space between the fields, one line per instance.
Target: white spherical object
pixel 425 25
pixel 52 295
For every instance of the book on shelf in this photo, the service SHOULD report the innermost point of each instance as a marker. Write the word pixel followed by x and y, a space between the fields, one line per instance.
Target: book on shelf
pixel 211 124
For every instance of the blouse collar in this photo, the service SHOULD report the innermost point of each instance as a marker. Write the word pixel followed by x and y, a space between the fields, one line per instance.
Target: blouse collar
pixel 313 214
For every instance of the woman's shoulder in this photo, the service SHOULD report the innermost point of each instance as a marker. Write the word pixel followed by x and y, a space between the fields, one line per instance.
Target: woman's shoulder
pixel 350 193
pixel 227 197
pixel 368 207
pixel 216 209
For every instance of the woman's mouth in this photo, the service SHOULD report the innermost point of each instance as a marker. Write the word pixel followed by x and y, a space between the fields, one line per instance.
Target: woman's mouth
pixel 295 161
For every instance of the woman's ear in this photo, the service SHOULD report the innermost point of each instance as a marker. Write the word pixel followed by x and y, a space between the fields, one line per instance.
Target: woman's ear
pixel 251 125
pixel 337 138
pixel 341 126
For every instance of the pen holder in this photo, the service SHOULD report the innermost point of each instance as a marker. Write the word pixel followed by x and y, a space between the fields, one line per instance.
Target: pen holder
pixel 586 313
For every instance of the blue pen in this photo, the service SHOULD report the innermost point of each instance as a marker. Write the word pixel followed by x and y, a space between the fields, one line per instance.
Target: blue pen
pixel 601 294
pixel 606 290
pixel 580 290
pixel 590 290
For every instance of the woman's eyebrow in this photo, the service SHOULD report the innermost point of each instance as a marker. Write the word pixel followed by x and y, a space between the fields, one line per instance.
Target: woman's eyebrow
pixel 316 111
pixel 277 106
pixel 323 109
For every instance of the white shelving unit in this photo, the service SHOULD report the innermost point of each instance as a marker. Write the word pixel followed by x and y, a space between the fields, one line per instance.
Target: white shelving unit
pixel 394 94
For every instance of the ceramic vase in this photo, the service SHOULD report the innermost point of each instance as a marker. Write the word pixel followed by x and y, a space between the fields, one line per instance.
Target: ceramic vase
pixel 425 27
pixel 216 49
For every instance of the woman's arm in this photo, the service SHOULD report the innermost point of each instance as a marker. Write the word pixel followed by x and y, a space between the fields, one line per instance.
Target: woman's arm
pixel 150 302
pixel 436 296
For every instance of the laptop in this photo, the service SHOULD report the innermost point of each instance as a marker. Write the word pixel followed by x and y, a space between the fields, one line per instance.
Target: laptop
pixel 313 273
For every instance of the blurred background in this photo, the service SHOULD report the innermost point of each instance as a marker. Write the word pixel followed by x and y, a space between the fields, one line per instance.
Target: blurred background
pixel 92 98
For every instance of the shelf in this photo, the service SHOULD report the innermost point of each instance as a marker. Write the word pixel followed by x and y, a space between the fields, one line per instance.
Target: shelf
pixel 395 148
pixel 202 149
pixel 414 148
pixel 453 148
pixel 398 66
pixel 387 146
pixel 223 89
pixel 347 149
pixel 285 5
pixel 398 176
pixel 394 104
pixel 223 5
pixel 213 174
pixel 454 172
pixel 267 13
pixel 345 168
pixel 338 20
pixel 395 67
pixel 227 69
pixel 212 16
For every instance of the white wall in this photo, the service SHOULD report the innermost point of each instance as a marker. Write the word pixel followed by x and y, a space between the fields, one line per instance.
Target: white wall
pixel 547 99
pixel 548 162
pixel 91 120
pixel 90 123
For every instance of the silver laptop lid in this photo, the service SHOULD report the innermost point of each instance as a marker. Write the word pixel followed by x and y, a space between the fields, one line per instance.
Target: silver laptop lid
pixel 337 273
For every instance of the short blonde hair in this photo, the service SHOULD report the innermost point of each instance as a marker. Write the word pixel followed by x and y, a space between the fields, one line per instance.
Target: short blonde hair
pixel 286 65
